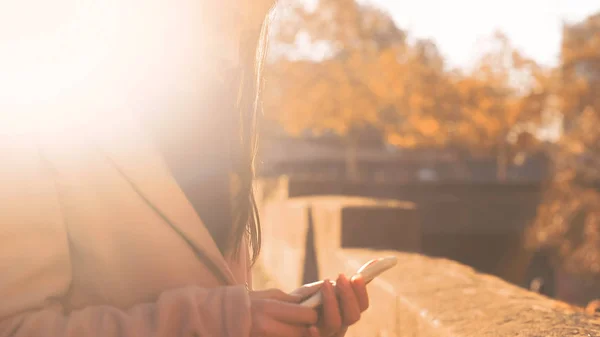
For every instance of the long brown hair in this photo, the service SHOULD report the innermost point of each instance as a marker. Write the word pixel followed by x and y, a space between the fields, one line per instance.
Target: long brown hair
pixel 246 221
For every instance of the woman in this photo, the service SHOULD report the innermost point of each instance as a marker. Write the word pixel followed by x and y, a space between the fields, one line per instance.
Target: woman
pixel 101 232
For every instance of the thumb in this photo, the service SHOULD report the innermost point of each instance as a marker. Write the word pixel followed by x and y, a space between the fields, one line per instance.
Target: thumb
pixel 308 289
pixel 275 294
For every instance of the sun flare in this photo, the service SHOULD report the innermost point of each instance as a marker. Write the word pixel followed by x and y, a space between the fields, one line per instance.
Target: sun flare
pixel 66 57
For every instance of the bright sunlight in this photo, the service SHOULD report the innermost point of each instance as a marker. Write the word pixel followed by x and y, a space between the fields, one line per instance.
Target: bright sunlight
pixel 74 57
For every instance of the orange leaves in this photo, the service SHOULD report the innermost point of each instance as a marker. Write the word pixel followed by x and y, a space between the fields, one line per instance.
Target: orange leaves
pixel 327 95
pixel 402 141
pixel 428 127
pixel 580 69
pixel 374 79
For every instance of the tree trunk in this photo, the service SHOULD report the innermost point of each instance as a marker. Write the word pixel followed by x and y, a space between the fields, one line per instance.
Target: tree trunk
pixel 460 168
pixel 352 172
pixel 502 162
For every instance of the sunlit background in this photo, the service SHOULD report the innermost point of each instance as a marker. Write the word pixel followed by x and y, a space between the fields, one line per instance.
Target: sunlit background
pixel 482 113
pixel 486 110
pixel 77 57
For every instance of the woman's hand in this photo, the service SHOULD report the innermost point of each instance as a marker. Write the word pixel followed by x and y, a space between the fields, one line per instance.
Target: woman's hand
pixel 277 314
pixel 342 305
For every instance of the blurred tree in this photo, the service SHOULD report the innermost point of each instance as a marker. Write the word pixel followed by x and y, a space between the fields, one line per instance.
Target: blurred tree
pixel 568 221
pixel 580 68
pixel 345 92
pixel 344 25
pixel 504 91
pixel 372 78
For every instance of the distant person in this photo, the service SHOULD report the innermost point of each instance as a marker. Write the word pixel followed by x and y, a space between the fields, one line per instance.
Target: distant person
pixel 540 276
pixel 144 224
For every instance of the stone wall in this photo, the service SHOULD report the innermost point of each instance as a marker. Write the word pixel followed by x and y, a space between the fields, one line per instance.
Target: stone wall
pixel 300 233
pixel 479 225
pixel 422 296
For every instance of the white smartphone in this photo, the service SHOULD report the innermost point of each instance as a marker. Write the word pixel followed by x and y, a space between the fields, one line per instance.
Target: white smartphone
pixel 369 271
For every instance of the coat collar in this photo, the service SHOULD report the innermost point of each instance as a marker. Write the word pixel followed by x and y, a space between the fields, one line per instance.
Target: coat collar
pixel 132 154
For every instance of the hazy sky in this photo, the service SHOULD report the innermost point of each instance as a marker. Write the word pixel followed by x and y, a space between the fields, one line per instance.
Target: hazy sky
pixel 534 26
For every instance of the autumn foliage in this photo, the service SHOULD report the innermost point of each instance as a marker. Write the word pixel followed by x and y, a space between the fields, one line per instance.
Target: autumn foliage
pixel 568 222
pixel 374 75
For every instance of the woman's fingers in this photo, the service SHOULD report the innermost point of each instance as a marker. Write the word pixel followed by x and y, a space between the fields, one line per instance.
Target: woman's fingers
pixel 267 326
pixel 276 294
pixel 307 290
pixel 342 305
pixel 313 332
pixel 349 305
pixel 275 314
pixel 341 333
pixel 288 312
pixel 360 290
pixel 331 321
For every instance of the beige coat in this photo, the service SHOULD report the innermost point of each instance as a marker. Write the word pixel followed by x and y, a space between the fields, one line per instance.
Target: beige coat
pixel 97 239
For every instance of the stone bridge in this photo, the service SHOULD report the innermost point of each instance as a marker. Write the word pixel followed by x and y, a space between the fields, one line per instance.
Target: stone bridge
pixel 310 238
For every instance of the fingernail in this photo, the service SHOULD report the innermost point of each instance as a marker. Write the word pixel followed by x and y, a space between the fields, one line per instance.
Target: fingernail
pixel 313 332
pixel 356 277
